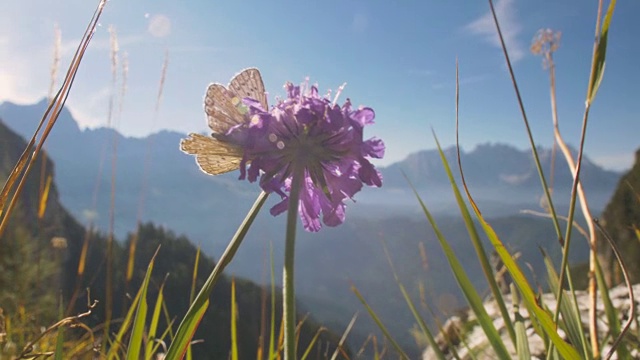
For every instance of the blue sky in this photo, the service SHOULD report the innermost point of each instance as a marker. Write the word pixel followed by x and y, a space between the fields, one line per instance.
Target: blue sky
pixel 397 57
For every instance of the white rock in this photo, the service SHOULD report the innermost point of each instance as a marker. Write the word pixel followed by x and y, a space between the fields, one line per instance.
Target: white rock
pixel 475 340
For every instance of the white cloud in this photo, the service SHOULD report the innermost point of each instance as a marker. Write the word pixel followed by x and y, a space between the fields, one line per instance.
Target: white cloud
pixel 90 109
pixel 485 27
pixel 23 77
pixel 86 116
pixel 616 162
pixel 9 84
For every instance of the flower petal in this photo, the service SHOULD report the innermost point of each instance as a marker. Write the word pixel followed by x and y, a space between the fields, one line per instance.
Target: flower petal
pixel 364 116
pixel 373 147
pixel 310 131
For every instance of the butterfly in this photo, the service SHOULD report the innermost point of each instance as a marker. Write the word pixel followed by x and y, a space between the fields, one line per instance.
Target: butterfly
pixel 224 109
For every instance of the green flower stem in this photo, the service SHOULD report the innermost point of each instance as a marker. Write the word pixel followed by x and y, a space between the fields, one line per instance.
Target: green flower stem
pixel 288 291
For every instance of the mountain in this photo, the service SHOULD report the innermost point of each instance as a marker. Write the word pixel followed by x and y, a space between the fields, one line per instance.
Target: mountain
pixel 40 257
pixel 491 165
pixel 174 188
pixel 501 178
pixel 176 194
pixel 621 219
pixel 30 262
pixel 208 209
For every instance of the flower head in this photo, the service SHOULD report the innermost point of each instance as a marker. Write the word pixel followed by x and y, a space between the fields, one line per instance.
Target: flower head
pixel 320 139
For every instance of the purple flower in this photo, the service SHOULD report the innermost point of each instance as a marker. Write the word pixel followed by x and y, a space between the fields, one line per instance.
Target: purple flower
pixel 311 132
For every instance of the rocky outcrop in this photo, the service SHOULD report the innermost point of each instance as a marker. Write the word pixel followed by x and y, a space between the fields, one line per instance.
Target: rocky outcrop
pixel 469 341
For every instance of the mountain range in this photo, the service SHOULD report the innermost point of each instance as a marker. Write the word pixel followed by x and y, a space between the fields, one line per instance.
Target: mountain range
pixel 173 191
pixel 176 195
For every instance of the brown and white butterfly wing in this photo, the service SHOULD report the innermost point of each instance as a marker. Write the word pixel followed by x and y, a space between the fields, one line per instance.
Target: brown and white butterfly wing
pixel 224 107
pixel 248 83
pixel 212 155
pixel 221 108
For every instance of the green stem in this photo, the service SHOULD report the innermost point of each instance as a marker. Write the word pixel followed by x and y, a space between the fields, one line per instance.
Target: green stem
pixel 288 291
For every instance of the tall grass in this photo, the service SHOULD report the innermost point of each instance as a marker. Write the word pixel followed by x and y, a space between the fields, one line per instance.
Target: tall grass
pixel 16 181
pixel 566 314
pixel 28 158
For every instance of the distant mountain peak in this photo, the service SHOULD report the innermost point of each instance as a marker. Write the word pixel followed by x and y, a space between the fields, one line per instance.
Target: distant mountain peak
pixel 494 169
pixel 25 118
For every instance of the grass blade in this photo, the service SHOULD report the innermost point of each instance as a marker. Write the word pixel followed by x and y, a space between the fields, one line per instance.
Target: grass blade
pixel 544 319
pixel 28 157
pixel 611 313
pixel 632 302
pixel 44 197
pixel 190 322
pixel 312 343
pixel 568 308
pixel 159 341
pixel 132 254
pixel 383 328
pixel 280 341
pixel 469 292
pixel 600 53
pixel 139 322
pixel 153 326
pixel 344 337
pixel 192 293
pixel 522 341
pixel 487 269
pixel 124 328
pixel 234 319
pixel 194 276
pixel 546 323
pixel 60 335
pixel 423 326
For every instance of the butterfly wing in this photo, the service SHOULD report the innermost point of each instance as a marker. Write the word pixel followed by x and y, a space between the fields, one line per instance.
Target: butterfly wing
pixel 248 83
pixel 212 155
pixel 224 107
pixel 221 108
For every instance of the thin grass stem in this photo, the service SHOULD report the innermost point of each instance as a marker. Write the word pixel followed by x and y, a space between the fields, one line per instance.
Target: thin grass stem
pixel 28 157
